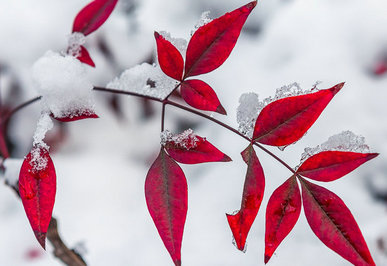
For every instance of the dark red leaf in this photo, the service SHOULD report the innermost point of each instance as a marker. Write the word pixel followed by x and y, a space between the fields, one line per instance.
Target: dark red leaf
pixel 254 187
pixel 3 145
pixel 282 213
pixel 92 16
pixel 285 121
pixel 195 150
pixel 331 165
pixel 170 60
pixel 37 187
pixel 333 224
pixel 380 67
pixel 166 196
pixel 84 57
pixel 212 43
pixel 77 116
pixel 200 95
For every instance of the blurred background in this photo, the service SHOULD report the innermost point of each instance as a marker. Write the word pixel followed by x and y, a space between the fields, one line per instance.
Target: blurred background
pixel 101 164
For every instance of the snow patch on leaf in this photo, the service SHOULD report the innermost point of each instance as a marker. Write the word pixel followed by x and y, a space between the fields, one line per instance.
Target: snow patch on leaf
pixel 247 113
pixel 204 19
pixel 63 83
pixel 186 140
pixel 75 41
pixel 344 141
pixel 144 79
pixel 12 170
pixel 179 43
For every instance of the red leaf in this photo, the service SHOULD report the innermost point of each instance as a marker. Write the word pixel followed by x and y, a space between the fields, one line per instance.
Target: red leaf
pixel 37 187
pixel 170 60
pixel 84 57
pixel 331 165
pixel 77 116
pixel 380 68
pixel 166 197
pixel 195 150
pixel 285 121
pixel 212 43
pixel 253 190
pixel 92 16
pixel 282 212
pixel 333 224
pixel 200 95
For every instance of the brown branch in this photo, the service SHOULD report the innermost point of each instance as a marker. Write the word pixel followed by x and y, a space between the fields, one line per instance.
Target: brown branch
pixel 68 256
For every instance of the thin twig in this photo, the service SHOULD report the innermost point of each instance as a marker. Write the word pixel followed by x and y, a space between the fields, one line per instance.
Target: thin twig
pixel 19 107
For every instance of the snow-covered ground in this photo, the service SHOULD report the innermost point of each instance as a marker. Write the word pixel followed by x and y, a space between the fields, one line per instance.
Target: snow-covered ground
pixel 102 164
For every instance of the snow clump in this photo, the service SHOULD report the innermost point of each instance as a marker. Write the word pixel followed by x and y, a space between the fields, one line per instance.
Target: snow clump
pixel 186 140
pixel 344 141
pixel 63 83
pixel 144 79
pixel 204 19
pixel 12 170
pixel 75 41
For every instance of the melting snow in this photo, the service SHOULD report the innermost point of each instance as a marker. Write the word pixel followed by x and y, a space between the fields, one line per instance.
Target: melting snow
pixel 144 79
pixel 62 81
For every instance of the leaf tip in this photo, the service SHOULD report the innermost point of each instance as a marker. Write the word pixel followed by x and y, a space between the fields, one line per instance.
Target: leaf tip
pixel 177 262
pixel 220 109
pixel 267 258
pixel 157 35
pixel 41 237
pixel 335 89
pixel 226 158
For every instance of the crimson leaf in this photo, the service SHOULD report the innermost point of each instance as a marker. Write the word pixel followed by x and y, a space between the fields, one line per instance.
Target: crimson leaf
pixel 282 212
pixel 200 95
pixel 331 165
pixel 92 16
pixel 166 196
pixel 212 43
pixel 37 187
pixel 285 121
pixel 333 224
pixel 240 223
pixel 84 57
pixel 170 60
pixel 195 150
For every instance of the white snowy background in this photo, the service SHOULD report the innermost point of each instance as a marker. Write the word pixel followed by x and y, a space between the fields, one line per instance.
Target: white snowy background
pixel 102 163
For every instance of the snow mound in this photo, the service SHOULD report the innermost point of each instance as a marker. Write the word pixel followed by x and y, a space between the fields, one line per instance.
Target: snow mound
pixel 75 41
pixel 186 140
pixel 144 79
pixel 204 19
pixel 63 84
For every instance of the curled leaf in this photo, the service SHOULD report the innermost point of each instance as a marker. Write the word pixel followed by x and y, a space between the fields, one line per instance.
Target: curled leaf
pixel 200 95
pixel 84 57
pixel 166 196
pixel 254 187
pixel 333 223
pixel 37 188
pixel 170 60
pixel 282 212
pixel 92 16
pixel 285 121
pixel 212 43
pixel 331 165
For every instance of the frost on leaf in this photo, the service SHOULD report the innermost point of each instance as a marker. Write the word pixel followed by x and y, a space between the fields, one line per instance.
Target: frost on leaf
pixel 190 148
pixel 344 141
pixel 333 159
pixel 137 79
pixel 63 83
